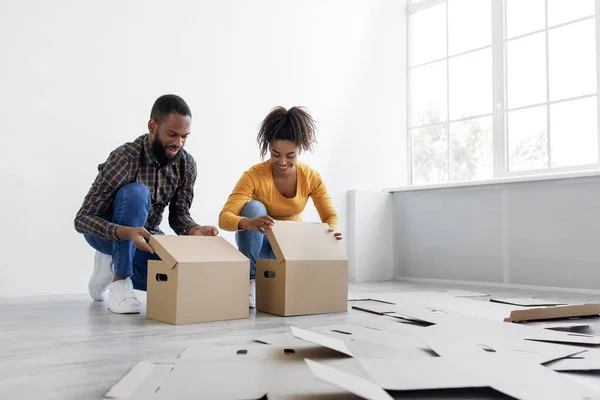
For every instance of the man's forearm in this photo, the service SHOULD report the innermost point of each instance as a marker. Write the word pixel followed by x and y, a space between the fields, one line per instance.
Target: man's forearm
pixel 182 224
pixel 96 226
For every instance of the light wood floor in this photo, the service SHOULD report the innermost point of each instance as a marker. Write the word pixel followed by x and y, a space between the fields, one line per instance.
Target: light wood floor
pixel 69 347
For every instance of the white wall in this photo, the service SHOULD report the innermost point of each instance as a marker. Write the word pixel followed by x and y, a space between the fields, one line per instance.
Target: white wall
pixel 77 79
pixel 542 233
pixel 371 244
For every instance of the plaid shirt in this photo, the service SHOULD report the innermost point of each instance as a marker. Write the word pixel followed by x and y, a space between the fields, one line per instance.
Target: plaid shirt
pixel 171 185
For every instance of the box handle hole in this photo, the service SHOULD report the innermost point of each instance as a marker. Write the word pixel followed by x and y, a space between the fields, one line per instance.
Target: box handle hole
pixel 289 351
pixel 242 352
pixel 162 277
pixel 269 274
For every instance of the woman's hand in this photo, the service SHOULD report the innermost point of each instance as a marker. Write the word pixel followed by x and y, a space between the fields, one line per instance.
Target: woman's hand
pixel 338 235
pixel 260 224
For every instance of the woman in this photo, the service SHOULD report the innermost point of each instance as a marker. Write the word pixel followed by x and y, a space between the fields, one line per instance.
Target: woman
pixel 277 189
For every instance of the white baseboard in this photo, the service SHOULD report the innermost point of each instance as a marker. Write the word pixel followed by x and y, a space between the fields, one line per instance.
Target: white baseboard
pixel 500 285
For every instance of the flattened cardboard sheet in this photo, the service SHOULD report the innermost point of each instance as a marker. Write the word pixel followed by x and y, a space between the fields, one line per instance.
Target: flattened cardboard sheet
pixel 240 378
pixel 575 310
pixel 349 382
pixel 526 301
pixel 499 311
pixel 202 351
pixel 321 340
pixel 558 325
pixel 420 374
pixel 351 332
pixel 141 382
pixel 585 361
pixel 523 380
pixel 448 322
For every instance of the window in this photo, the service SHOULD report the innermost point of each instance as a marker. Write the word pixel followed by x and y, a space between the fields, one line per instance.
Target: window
pixel 500 88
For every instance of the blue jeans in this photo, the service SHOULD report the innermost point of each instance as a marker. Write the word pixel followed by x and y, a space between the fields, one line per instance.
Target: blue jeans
pixel 254 244
pixel 130 208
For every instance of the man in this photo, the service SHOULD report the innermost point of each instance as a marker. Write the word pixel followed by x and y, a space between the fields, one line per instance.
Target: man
pixel 126 201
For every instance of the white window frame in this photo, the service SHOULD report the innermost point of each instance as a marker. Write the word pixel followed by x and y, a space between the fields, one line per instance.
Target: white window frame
pixel 499 111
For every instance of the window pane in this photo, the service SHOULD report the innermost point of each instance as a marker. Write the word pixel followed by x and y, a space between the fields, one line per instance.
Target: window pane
pixel 560 11
pixel 572 60
pixel 474 14
pixel 430 155
pixel 574 133
pixel 471 84
pixel 471 150
pixel 526 70
pixel 527 139
pixel 428 34
pixel 428 94
pixel 524 16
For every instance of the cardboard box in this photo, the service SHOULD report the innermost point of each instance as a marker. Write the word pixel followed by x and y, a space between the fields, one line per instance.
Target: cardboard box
pixel 309 274
pixel 199 279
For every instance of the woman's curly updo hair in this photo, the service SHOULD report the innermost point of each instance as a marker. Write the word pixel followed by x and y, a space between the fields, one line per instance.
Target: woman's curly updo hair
pixel 295 125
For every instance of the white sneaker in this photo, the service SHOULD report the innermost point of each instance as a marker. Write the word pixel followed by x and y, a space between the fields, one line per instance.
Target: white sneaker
pixel 102 275
pixel 252 293
pixel 122 298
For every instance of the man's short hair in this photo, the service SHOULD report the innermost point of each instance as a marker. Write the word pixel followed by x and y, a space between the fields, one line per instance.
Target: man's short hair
pixel 167 104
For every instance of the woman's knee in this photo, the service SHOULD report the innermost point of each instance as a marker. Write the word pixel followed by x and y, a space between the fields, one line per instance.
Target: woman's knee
pixel 253 209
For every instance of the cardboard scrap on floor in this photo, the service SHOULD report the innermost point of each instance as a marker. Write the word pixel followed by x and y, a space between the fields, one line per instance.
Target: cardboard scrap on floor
pixel 586 361
pixel 364 360
pixel 508 310
pixel 526 301
pixel 455 340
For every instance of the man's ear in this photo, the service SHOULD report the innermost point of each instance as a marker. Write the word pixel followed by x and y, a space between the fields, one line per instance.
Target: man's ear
pixel 152 125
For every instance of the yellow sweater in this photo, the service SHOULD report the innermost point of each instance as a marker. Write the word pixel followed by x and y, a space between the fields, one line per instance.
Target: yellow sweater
pixel 257 184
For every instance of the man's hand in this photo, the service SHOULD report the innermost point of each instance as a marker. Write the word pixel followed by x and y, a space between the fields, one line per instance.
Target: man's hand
pixel 338 235
pixel 260 224
pixel 205 230
pixel 137 236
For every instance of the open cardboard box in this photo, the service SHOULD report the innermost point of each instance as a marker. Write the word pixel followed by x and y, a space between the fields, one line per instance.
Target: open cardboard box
pixel 198 279
pixel 309 274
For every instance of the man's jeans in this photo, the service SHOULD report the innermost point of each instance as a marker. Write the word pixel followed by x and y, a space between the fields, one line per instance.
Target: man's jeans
pixel 254 244
pixel 130 208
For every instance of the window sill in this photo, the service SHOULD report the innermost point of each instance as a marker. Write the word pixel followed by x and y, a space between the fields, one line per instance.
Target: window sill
pixel 500 181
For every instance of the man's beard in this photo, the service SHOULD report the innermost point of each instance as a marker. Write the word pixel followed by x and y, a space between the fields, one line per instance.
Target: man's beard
pixel 159 151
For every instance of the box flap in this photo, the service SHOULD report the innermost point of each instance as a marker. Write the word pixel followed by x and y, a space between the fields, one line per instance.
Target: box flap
pixel 294 241
pixel 183 249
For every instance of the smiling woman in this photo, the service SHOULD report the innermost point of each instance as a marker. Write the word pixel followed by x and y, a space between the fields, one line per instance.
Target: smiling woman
pixel 277 189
